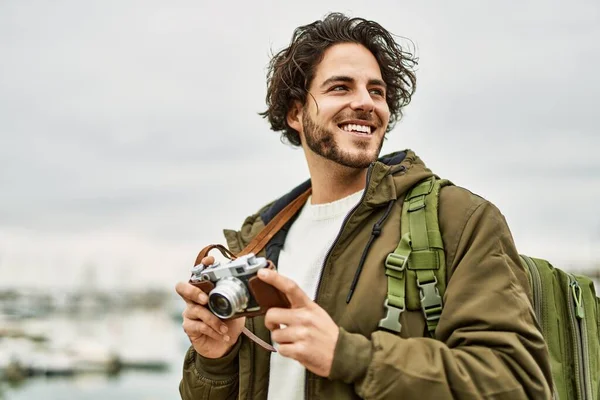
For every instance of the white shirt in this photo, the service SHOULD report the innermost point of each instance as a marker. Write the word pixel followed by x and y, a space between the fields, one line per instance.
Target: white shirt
pixel 301 259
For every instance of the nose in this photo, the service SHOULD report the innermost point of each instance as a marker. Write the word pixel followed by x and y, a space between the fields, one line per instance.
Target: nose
pixel 362 101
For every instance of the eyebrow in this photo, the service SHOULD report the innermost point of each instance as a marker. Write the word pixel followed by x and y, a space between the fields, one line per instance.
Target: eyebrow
pixel 341 78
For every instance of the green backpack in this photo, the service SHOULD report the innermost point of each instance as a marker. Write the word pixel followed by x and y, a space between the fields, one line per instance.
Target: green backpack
pixel 565 304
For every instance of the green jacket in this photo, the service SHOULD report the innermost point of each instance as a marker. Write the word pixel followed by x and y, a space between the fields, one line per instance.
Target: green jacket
pixel 488 342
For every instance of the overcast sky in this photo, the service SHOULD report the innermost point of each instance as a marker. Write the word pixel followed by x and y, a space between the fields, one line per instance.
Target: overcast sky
pixel 129 134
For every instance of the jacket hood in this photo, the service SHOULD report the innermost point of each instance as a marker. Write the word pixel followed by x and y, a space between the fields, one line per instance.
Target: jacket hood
pixel 388 179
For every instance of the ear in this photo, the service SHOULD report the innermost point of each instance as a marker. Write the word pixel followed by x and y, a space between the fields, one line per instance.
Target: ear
pixel 294 116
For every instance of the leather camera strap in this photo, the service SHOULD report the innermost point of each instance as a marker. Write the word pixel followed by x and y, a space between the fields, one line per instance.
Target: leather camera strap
pixel 257 244
pixel 204 252
pixel 261 240
pixel 263 237
pixel 258 340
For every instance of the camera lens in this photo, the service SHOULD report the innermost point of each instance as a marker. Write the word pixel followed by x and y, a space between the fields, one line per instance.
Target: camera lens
pixel 220 305
pixel 229 297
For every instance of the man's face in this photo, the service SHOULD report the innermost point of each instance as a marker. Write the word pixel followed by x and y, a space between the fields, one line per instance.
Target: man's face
pixel 346 115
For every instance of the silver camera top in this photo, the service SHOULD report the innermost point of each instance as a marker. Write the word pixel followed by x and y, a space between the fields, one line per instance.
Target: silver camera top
pixel 241 266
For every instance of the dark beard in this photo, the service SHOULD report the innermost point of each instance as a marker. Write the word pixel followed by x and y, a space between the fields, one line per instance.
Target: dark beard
pixel 322 141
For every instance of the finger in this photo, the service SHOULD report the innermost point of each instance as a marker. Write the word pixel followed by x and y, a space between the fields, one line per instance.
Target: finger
pixel 291 334
pixel 295 295
pixel 276 316
pixel 196 312
pixel 206 261
pixel 296 351
pixel 189 292
pixel 195 329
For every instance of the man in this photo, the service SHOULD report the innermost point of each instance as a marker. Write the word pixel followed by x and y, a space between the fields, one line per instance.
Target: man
pixel 336 91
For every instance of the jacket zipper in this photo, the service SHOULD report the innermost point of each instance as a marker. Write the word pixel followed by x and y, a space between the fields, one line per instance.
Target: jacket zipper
pixel 344 222
pixel 536 283
pixel 576 317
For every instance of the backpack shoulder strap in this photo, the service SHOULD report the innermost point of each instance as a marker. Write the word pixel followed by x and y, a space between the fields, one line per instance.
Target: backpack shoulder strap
pixel 416 270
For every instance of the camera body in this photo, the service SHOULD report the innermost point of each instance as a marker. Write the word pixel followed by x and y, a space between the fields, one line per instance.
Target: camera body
pixel 234 289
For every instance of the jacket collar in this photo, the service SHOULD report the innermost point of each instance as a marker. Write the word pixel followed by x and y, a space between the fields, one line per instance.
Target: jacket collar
pixel 387 179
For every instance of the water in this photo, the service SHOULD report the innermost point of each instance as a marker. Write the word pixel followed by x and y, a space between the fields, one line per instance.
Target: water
pixel 141 386
pixel 136 336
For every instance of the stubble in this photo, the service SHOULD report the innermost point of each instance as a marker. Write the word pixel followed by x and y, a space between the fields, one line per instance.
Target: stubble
pixel 322 141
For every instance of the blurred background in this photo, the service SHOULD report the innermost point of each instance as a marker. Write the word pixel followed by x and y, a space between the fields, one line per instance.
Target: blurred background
pixel 129 137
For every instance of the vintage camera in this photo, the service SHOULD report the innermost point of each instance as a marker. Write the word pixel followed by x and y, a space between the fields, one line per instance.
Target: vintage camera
pixel 234 290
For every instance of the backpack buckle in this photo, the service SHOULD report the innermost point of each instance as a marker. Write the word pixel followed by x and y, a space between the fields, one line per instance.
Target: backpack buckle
pixel 396 262
pixel 431 301
pixel 391 322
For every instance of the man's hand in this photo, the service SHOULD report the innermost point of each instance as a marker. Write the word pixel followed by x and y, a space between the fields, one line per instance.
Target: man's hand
pixel 310 334
pixel 211 337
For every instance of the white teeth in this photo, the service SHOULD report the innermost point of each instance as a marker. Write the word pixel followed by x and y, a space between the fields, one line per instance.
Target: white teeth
pixel 357 128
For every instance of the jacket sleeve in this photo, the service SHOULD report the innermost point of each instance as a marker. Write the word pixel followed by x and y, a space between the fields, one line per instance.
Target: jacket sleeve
pixel 205 378
pixel 488 343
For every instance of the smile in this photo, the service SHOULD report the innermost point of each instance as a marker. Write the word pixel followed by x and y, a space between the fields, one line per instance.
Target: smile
pixel 357 129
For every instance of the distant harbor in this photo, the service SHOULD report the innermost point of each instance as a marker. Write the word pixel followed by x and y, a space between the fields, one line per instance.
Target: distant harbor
pixel 31 303
pixel 66 335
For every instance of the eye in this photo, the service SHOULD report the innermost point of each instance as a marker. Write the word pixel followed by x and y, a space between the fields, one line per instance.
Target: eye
pixel 338 88
pixel 377 92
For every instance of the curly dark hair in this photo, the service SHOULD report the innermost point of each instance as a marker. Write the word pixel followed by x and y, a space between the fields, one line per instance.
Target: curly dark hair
pixel 291 70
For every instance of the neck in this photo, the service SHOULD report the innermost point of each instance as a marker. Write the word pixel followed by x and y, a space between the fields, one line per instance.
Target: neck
pixel 331 181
